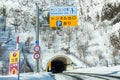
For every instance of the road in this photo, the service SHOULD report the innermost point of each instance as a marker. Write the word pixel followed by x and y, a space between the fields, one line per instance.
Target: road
pixel 84 76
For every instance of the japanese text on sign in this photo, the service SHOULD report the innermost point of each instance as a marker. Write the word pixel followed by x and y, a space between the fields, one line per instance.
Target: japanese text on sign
pixel 63 11
pixel 65 21
pixel 63 16
pixel 14 57
pixel 14 62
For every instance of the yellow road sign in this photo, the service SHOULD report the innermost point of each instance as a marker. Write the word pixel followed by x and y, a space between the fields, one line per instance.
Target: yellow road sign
pixel 14 57
pixel 59 21
pixel 14 62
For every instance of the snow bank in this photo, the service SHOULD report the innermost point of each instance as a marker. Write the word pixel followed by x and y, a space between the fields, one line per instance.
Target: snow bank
pixel 29 76
pixel 101 70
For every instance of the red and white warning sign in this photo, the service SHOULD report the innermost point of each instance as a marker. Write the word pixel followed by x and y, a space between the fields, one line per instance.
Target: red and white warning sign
pixel 36 56
pixel 14 62
pixel 37 48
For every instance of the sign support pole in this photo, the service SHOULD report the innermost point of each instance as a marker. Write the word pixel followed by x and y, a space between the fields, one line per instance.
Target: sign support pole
pixel 17 44
pixel 37 34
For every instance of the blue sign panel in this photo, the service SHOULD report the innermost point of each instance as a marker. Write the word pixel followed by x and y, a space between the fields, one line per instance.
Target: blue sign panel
pixel 63 11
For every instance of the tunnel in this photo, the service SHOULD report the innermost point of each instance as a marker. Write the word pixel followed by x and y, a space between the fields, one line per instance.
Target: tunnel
pixel 59 64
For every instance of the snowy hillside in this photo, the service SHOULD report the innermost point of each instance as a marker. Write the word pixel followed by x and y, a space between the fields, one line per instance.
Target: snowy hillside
pixel 96 40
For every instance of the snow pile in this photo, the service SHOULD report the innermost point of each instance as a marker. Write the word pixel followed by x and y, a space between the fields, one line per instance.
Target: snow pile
pixel 100 70
pixel 29 76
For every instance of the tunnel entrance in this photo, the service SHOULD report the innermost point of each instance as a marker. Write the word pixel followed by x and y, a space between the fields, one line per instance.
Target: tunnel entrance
pixel 57 66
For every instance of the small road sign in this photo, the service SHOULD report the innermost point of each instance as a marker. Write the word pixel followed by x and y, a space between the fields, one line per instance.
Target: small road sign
pixel 59 23
pixel 37 48
pixel 36 56
pixel 37 42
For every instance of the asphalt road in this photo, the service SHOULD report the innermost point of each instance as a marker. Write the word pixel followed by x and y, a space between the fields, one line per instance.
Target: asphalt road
pixel 84 76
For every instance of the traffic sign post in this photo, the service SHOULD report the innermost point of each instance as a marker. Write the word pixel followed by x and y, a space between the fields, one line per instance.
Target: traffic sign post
pixel 14 64
pixel 37 35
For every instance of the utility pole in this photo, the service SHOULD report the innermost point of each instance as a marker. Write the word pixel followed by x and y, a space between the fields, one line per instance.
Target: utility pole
pixel 37 35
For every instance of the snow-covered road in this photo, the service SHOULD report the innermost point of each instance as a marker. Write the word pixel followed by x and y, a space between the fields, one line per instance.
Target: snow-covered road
pixel 63 77
pixel 60 76
pixel 84 76
pixel 94 73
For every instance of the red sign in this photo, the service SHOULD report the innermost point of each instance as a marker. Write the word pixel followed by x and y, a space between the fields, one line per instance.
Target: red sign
pixel 36 56
pixel 13 69
pixel 37 48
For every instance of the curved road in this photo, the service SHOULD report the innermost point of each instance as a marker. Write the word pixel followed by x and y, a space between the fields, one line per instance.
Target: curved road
pixel 84 76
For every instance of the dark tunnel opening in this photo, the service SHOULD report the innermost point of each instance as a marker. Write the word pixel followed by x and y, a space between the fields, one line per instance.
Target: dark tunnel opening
pixel 57 66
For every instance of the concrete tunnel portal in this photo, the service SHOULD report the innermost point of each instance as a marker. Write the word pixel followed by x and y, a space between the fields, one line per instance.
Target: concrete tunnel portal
pixel 59 64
